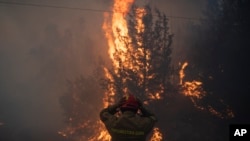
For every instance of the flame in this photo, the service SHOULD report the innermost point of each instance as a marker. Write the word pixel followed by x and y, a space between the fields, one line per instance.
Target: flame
pixel 114 30
pixel 117 28
pixel 140 26
pixel 118 40
pixel 109 94
pixel 140 12
pixel 103 133
pixel 193 89
pixel 181 72
pixel 190 88
pixel 157 135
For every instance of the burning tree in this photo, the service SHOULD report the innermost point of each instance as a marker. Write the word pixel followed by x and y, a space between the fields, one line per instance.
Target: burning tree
pixel 140 51
pixel 141 56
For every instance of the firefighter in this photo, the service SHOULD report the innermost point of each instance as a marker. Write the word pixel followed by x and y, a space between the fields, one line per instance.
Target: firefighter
pixel 130 124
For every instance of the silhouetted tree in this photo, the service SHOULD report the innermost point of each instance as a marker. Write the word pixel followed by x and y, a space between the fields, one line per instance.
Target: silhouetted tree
pixel 147 67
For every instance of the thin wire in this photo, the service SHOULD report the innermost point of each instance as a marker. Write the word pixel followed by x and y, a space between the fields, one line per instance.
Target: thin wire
pixel 52 6
pixel 84 9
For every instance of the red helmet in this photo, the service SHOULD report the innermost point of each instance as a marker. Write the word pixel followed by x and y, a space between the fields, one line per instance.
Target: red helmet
pixel 130 103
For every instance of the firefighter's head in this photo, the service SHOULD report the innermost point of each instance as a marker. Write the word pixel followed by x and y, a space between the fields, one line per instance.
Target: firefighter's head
pixel 130 103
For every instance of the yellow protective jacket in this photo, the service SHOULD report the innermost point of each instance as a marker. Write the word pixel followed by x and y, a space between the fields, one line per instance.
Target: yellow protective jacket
pixel 127 127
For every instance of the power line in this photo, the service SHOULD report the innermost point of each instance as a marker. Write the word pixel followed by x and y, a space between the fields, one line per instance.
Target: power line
pixel 83 9
pixel 51 6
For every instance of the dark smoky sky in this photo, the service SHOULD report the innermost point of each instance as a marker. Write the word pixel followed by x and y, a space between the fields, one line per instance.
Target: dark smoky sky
pixel 40 47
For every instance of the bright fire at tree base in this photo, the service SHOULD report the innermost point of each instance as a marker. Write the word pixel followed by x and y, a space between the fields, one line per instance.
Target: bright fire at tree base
pixel 115 27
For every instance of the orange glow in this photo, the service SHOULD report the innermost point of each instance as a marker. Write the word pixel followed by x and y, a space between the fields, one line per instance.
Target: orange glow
pixel 116 31
pixel 114 26
pixel 157 135
pixel 117 28
pixel 119 43
pixel 193 89
pixel 140 12
pixel 181 72
pixel 110 93
pixel 103 134
pixel 190 88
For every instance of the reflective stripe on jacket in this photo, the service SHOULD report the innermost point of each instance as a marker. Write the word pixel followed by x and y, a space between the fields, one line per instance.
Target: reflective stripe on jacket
pixel 127 127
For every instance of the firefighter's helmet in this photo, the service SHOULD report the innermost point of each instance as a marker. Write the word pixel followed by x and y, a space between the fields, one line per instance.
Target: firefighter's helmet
pixel 130 102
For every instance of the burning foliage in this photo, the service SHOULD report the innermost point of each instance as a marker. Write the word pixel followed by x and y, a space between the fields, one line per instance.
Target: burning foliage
pixel 139 49
pixel 81 110
pixel 193 89
pixel 157 135
pixel 140 52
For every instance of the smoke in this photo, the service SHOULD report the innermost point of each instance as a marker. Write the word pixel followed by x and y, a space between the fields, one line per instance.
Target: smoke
pixel 41 47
